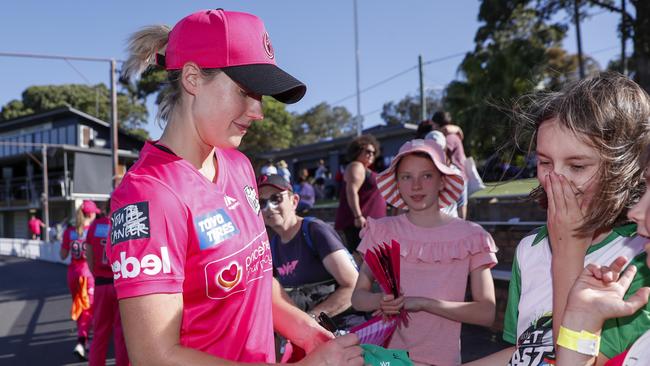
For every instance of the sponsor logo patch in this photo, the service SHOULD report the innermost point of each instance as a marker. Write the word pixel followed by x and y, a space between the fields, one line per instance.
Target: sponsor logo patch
pixel 214 227
pixel 230 202
pixel 251 197
pixel 229 276
pixel 150 265
pixel 130 222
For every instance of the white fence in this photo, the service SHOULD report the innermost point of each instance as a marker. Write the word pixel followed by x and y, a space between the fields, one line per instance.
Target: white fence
pixel 32 249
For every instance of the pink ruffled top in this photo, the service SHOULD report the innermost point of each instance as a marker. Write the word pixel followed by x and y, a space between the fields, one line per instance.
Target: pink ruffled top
pixel 435 263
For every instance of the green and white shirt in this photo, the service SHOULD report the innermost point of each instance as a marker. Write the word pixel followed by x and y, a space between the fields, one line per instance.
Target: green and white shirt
pixel 528 319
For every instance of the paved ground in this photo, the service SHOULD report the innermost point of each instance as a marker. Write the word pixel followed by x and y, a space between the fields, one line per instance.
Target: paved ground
pixel 35 325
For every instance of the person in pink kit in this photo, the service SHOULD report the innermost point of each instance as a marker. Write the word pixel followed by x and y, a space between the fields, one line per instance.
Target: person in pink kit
pixel 189 252
pixel 80 280
pixel 106 314
pixel 437 254
pixel 35 224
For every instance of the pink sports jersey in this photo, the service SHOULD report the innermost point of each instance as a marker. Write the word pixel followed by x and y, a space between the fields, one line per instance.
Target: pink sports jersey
pixel 35 226
pixel 76 245
pixel 97 238
pixel 173 231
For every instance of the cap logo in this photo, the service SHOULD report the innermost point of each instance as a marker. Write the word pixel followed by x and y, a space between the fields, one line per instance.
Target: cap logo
pixel 267 45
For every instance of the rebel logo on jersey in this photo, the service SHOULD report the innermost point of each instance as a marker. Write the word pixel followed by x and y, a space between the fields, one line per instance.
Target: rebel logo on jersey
pixel 150 265
pixel 251 197
pixel 230 202
pixel 229 277
pixel 130 222
pixel 214 227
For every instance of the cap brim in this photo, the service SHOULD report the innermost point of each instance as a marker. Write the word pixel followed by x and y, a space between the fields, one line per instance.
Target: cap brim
pixel 268 79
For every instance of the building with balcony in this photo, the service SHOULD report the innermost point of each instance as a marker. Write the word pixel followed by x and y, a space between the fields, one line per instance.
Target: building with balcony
pixel 79 165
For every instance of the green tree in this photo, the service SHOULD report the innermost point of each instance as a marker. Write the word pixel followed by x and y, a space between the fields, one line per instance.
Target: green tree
pixel 636 28
pixel 517 51
pixel 93 100
pixel 273 132
pixel 322 122
pixel 407 110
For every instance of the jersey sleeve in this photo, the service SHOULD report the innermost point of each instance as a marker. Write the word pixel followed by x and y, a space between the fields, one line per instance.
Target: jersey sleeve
pixel 149 236
pixel 325 239
pixel 512 308
pixel 65 241
pixel 620 333
pixel 487 255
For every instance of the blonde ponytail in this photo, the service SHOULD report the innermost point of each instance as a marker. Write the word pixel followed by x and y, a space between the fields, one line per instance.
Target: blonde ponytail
pixel 79 225
pixel 142 48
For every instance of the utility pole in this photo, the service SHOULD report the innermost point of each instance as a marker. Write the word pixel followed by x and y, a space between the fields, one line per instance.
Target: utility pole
pixel 45 197
pixel 623 39
pixel 114 121
pixel 576 19
pixel 359 118
pixel 423 101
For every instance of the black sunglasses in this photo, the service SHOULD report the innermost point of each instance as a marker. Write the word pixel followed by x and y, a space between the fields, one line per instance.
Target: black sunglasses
pixel 369 152
pixel 273 201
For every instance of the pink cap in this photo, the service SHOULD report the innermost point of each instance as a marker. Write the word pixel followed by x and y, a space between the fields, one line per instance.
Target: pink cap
pixel 237 43
pixel 88 207
pixel 453 183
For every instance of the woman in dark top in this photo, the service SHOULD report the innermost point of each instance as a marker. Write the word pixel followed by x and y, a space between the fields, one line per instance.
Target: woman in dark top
pixel 359 196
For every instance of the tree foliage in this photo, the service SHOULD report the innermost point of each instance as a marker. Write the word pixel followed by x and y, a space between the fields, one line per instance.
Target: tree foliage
pixel 93 100
pixel 635 27
pixel 322 122
pixel 517 51
pixel 407 110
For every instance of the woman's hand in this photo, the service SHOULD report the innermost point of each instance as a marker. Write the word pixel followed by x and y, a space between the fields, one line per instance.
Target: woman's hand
pixel 343 350
pixel 414 304
pixel 598 293
pixel 360 222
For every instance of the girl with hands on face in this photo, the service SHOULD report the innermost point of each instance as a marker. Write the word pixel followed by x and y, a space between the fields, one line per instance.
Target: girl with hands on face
pixel 588 139
pixel 437 254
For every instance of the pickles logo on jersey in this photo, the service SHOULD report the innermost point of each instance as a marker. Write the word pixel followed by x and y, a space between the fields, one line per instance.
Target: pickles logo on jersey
pixel 235 272
pixel 214 227
pixel 229 276
pixel 130 222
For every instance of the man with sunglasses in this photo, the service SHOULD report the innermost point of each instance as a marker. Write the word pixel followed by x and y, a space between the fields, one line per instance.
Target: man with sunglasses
pixel 309 259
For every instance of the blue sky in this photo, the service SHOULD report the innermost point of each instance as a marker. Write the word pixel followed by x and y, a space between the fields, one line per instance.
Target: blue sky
pixel 313 40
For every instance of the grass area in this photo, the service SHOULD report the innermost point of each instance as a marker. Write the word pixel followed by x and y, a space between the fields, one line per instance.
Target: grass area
pixel 515 187
pixel 520 187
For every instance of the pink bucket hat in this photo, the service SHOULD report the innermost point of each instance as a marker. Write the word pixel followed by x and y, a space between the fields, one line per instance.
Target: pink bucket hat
pixel 238 44
pixel 88 207
pixel 451 179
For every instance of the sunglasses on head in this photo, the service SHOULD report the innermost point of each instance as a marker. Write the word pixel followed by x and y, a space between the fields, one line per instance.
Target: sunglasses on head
pixel 273 201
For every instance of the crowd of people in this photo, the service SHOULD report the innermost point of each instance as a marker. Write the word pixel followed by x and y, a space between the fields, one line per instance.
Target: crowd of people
pixel 199 261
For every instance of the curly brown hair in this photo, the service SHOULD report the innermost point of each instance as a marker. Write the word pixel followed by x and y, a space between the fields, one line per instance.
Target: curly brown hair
pixel 357 145
pixel 611 113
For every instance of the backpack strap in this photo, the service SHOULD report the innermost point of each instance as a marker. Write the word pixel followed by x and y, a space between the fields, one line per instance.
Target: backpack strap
pixel 306 234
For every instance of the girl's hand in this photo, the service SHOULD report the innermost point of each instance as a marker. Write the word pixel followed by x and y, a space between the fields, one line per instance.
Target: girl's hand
pixel 414 304
pixel 389 305
pixel 598 293
pixel 564 216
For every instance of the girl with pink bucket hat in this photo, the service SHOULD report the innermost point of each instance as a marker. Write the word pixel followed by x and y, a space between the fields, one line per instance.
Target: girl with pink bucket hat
pixel 437 254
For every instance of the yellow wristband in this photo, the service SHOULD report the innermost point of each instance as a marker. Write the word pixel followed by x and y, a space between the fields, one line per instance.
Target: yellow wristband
pixel 581 342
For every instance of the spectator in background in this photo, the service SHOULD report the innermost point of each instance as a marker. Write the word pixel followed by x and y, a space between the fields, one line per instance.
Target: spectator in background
pixel 283 171
pixel 321 171
pixel 424 128
pixel 35 224
pixel 268 168
pixel 359 196
pixel 454 136
pixel 309 258
pixel 307 195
